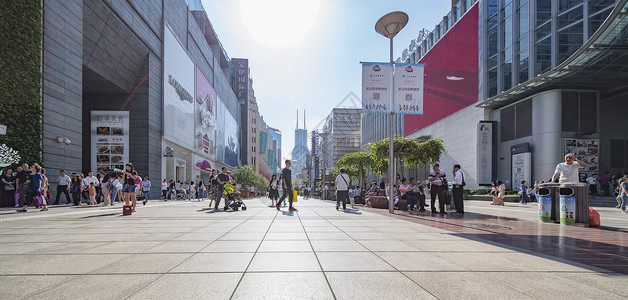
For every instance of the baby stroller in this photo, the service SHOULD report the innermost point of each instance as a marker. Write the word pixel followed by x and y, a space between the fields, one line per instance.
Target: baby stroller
pixel 233 198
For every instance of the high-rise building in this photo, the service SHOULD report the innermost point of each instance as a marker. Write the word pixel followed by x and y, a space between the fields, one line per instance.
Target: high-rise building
pixel 300 150
pixel 276 136
pixel 341 135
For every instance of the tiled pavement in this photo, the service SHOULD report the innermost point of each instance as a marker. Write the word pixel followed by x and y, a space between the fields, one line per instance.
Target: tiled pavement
pixel 184 251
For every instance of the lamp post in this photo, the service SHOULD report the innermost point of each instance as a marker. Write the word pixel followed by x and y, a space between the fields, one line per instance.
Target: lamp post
pixel 389 26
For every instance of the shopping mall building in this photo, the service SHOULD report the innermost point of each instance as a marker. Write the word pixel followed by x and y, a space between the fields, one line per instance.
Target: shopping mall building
pixel 144 81
pixel 513 85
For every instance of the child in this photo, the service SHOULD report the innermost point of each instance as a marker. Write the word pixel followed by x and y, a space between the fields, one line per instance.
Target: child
pixel 352 197
pixel 92 194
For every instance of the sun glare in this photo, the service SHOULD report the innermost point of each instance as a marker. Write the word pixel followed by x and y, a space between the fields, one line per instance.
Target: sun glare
pixel 279 23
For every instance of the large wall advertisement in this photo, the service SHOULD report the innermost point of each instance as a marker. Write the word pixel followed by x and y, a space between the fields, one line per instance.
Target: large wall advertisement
pixel 451 74
pixel 178 88
pixel 205 116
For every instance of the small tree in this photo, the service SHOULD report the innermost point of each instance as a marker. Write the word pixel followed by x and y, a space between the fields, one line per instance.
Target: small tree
pixel 411 152
pixel 356 164
pixel 244 175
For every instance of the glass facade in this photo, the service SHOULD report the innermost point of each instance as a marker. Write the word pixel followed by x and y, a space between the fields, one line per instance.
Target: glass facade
pixel 526 38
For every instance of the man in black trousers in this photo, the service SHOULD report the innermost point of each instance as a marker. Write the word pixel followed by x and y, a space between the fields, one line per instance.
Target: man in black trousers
pixel 287 185
pixel 457 189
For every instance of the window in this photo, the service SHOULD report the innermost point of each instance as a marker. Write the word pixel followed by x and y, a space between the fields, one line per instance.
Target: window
pixel 507 31
pixel 491 62
pixel 524 43
pixel 543 11
pixel 543 56
pixel 599 5
pixel 492 7
pixel 492 82
pixel 570 17
pixel 507 75
pixel 492 21
pixel 524 59
pixel 543 31
pixel 596 21
pixel 492 41
pixel 569 41
pixel 524 19
pixel 564 5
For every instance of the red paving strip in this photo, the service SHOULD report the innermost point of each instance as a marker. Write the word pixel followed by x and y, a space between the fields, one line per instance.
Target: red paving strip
pixel 606 249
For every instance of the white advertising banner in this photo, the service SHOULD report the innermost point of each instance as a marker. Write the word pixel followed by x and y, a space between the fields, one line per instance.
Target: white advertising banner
pixel 178 88
pixel 409 88
pixel 376 80
pixel 110 140
pixel 521 169
pixel 484 158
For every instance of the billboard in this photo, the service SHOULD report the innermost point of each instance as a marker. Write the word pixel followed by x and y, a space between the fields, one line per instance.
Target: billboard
pixel 376 80
pixel 451 74
pixel 178 85
pixel 408 88
pixel 110 140
pixel 205 116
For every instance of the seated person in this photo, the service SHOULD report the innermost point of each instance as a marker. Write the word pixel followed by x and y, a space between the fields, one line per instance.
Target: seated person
pixel 373 191
pixel 395 194
pixel 418 191
pixel 405 191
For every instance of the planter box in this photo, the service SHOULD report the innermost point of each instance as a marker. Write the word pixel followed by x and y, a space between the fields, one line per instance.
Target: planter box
pixel 509 198
pixel 245 194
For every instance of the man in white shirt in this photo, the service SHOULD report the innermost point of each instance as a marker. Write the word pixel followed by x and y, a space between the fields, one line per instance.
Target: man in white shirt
pixel 457 189
pixel 342 189
pixel 567 172
pixel 63 182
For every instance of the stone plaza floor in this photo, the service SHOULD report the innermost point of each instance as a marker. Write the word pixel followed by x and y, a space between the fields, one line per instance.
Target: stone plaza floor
pixel 183 250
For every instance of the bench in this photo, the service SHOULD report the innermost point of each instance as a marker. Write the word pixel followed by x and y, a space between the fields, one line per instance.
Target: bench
pixel 382 202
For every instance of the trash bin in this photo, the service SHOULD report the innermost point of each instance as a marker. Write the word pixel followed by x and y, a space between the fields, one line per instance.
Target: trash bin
pixel 545 204
pixel 553 208
pixel 574 203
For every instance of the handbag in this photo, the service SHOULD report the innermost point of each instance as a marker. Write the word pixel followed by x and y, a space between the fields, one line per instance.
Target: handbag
pixel 40 200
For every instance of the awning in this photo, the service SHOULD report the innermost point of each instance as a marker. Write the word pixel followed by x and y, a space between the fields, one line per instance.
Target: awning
pixel 600 64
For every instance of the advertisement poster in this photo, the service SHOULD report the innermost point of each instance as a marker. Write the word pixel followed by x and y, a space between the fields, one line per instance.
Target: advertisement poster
pixel 110 140
pixel 521 169
pixel 409 88
pixel 178 95
pixel 205 115
pixel 485 154
pixel 376 81
pixel 568 209
pixel 545 207
pixel 586 150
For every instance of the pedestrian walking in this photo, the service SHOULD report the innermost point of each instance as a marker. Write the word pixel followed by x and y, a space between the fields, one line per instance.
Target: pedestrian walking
pixel 623 186
pixel 130 178
pixel 164 189
pixel 33 183
pixel 63 183
pixel 272 190
pixel 89 179
pixel 76 187
pixel 592 181
pixel 438 184
pixel 20 183
pixel 145 189
pixel 501 192
pixel 222 179
pixel 91 190
pixel 287 186
pixel 342 184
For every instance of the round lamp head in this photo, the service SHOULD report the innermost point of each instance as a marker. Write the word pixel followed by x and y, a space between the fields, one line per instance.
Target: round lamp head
pixel 391 24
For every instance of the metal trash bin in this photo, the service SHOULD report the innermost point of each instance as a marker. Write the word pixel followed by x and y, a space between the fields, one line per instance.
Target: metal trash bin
pixel 574 203
pixel 554 208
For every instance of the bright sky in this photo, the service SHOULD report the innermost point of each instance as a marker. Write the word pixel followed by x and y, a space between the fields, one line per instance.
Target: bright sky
pixel 305 54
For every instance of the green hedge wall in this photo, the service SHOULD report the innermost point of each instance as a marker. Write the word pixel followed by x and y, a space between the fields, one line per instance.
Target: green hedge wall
pixel 20 77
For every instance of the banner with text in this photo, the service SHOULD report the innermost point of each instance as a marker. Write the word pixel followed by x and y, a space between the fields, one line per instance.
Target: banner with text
pixel 409 88
pixel 376 79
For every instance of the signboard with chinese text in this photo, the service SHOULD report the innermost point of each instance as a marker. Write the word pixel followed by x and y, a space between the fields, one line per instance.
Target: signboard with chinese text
pixel 408 88
pixel 109 140
pixel 376 80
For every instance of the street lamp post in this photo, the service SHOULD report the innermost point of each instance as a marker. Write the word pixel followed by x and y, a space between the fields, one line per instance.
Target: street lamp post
pixel 389 26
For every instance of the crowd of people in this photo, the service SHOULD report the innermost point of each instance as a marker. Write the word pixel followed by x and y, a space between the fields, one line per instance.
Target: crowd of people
pixel 30 186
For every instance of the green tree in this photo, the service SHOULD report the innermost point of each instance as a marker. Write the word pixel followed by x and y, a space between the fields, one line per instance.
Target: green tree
pixel 357 163
pixel 411 152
